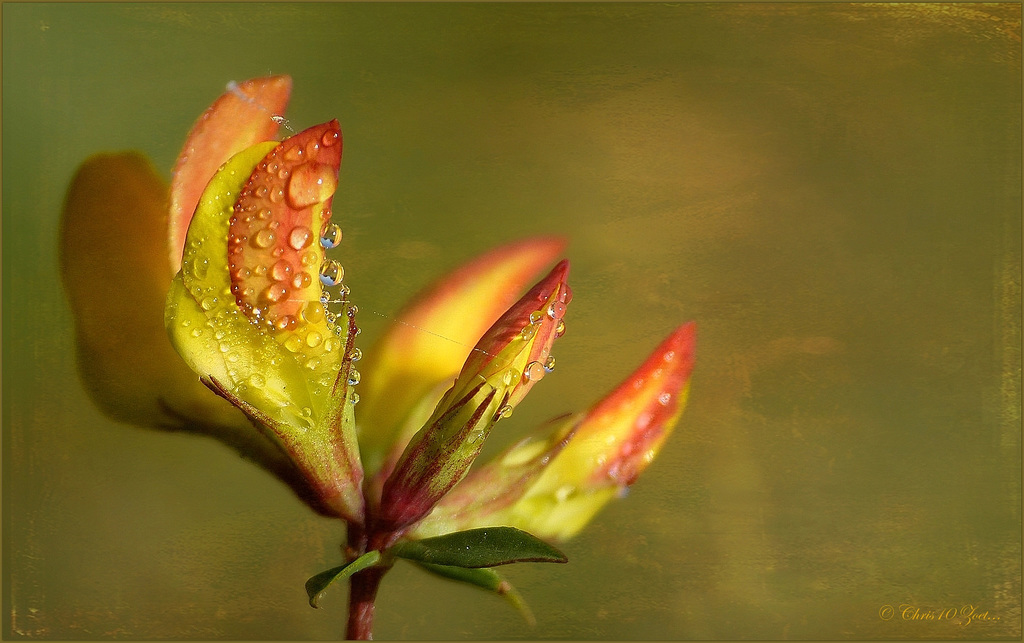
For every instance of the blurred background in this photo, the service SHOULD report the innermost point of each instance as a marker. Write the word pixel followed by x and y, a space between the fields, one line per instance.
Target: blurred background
pixel 833 192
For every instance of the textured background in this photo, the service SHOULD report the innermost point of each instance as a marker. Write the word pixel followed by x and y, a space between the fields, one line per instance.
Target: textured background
pixel 831 191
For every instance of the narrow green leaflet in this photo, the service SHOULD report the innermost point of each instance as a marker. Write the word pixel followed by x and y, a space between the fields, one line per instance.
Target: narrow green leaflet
pixel 487 579
pixel 485 547
pixel 316 585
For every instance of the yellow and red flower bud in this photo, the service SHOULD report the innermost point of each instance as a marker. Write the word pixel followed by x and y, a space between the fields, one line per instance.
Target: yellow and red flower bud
pixel 508 360
pixel 589 459
pixel 245 310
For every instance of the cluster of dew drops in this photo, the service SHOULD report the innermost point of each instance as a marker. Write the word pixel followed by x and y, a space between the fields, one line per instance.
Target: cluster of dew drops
pixel 536 370
pixel 332 291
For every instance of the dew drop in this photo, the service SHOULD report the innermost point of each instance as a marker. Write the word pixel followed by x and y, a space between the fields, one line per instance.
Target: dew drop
pixel 285 322
pixel 354 399
pixel 331 236
pixel 313 312
pixel 549 364
pixel 536 316
pixel 314 339
pixel 200 266
pixel 330 138
pixel 196 332
pixel 294 153
pixel 331 273
pixel 264 238
pixel 274 293
pixel 257 381
pixel 509 377
pixel 311 183
pixel 208 303
pixel 664 399
pixel 300 237
pixel 534 371
pixel 556 310
pixel 261 191
pixel 355 355
pixel 313 363
pixel 354 377
pixel 277 195
pixel 505 411
pixel 559 329
pixel 293 343
pixel 669 356
pixel 302 280
pixel 528 331
pixel 281 271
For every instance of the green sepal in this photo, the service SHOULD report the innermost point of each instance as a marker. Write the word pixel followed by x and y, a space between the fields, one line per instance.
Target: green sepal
pixel 484 547
pixel 316 585
pixel 489 580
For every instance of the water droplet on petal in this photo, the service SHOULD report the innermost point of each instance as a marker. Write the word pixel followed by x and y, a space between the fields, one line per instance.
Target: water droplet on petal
pixel 355 355
pixel 534 371
pixel 311 183
pixel 354 399
pixel 208 303
pixel 330 138
pixel 505 411
pixel 528 331
pixel 559 329
pixel 549 364
pixel 274 293
pixel 562 493
pixel 302 280
pixel 313 312
pixel 664 399
pixel 331 273
pixel 300 237
pixel 200 266
pixel 281 271
pixel 293 343
pixel 669 356
pixel 536 316
pixel 354 377
pixel 314 339
pixel 556 310
pixel 285 322
pixel 264 238
pixel 331 236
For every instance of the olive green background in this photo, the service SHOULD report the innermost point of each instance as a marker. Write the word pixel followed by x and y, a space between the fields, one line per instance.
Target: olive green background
pixel 832 191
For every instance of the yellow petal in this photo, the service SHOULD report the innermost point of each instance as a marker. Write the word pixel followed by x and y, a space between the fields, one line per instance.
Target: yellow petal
pixel 207 327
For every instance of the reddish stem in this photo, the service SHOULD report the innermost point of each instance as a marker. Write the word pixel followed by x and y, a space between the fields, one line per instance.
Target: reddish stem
pixel 362 593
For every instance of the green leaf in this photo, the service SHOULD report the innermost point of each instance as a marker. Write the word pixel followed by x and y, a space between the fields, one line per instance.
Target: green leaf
pixel 316 585
pixel 487 579
pixel 486 547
